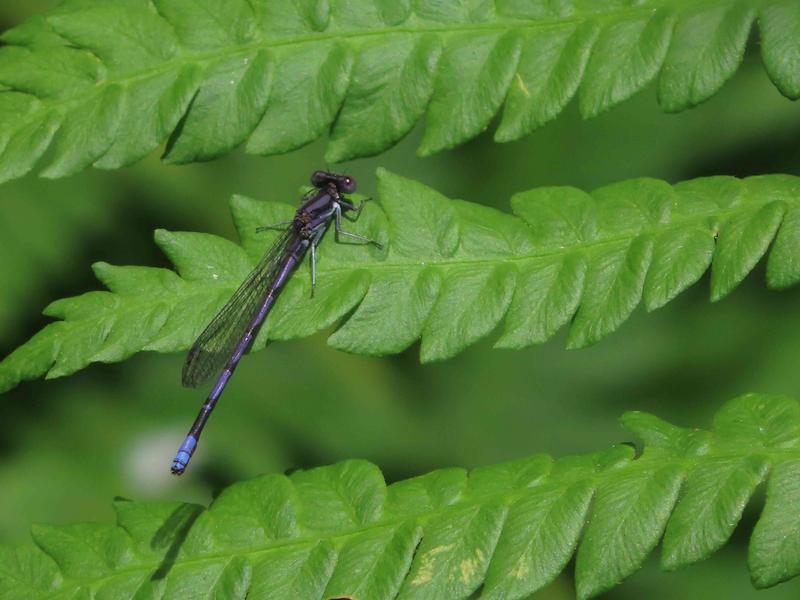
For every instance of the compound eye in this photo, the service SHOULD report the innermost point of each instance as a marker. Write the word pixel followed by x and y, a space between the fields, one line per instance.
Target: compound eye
pixel 319 178
pixel 348 185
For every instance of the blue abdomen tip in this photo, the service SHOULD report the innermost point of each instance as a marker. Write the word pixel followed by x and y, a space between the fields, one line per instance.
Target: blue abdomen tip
pixel 180 462
pixel 184 455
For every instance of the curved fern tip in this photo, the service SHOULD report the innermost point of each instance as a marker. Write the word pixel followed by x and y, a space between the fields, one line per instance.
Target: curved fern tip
pixel 238 202
pixel 102 270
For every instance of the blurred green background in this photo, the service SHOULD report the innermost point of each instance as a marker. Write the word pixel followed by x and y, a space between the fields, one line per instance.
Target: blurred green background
pixel 68 446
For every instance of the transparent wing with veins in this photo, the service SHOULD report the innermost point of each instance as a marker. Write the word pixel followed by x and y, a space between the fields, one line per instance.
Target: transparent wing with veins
pixel 215 346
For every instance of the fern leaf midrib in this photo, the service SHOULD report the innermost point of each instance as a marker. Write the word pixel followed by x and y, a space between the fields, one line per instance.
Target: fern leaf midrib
pixel 651 464
pixel 199 289
pixel 205 59
pixel 625 236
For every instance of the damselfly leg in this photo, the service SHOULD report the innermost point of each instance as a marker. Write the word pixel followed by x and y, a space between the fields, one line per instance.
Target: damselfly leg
pixel 355 211
pixel 317 237
pixel 354 236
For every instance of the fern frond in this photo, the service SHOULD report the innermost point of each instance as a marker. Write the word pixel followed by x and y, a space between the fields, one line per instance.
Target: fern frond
pixel 449 274
pixel 104 84
pixel 507 529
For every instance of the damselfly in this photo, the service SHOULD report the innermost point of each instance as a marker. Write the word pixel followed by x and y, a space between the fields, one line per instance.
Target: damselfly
pixel 220 347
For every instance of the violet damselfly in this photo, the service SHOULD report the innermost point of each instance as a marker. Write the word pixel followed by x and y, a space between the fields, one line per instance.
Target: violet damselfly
pixel 225 340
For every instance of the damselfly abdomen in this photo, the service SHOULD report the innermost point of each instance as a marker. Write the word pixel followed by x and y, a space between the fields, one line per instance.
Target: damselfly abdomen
pixel 221 345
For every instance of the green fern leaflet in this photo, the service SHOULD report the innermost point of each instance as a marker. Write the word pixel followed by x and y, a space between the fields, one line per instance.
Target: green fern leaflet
pixel 508 530
pixel 449 273
pixel 104 84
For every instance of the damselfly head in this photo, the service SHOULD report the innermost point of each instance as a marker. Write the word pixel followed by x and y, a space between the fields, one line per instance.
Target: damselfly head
pixel 344 183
